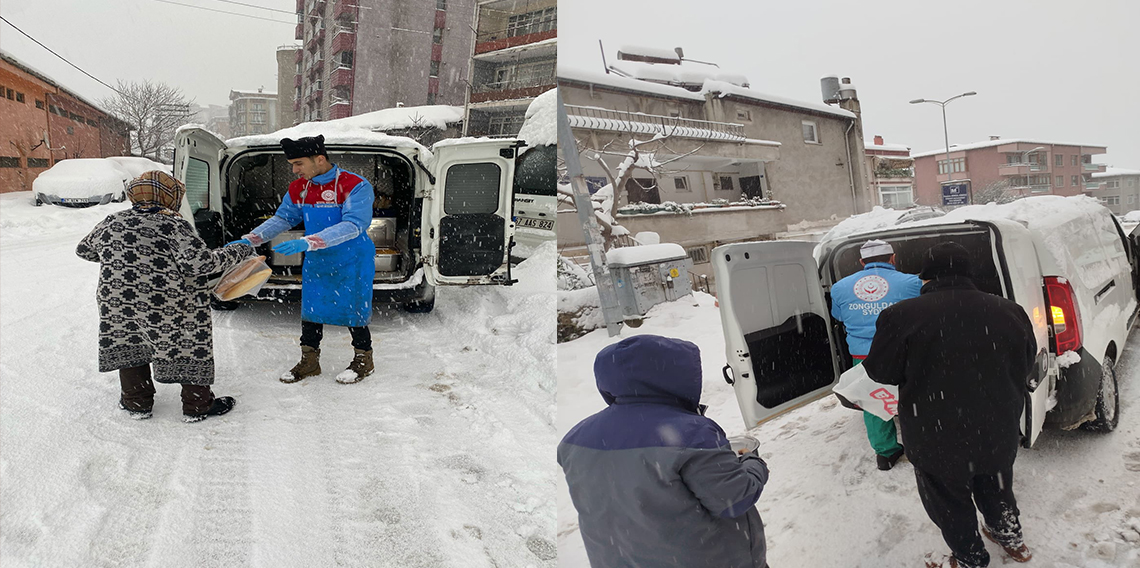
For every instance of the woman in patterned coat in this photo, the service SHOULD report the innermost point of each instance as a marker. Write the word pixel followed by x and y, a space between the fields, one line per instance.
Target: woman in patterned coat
pixel 154 305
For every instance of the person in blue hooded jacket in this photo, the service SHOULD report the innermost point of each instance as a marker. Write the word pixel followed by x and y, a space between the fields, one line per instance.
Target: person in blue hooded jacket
pixel 857 301
pixel 336 276
pixel 655 483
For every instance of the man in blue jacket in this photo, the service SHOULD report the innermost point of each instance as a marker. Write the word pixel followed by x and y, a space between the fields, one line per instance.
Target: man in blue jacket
pixel 857 301
pixel 339 265
pixel 655 483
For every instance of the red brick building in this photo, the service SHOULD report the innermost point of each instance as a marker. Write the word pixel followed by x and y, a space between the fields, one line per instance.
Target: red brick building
pixel 42 122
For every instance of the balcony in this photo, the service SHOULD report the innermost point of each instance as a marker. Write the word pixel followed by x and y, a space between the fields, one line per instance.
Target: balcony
pixel 345 7
pixel 300 33
pixel 316 8
pixel 493 41
pixel 1021 169
pixel 512 89
pixel 317 38
pixel 340 110
pixel 297 80
pixel 315 66
pixel 1094 185
pixel 344 39
pixel 341 76
pixel 1092 167
pixel 593 118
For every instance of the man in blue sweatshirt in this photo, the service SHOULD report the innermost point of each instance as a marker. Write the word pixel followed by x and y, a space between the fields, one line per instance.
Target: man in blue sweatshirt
pixel 857 301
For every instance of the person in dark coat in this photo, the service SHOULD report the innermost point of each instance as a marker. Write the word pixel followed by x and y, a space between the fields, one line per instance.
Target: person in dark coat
pixel 961 359
pixel 154 304
pixel 655 483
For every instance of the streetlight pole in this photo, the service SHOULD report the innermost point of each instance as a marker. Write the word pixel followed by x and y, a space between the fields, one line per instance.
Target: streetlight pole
pixel 946 132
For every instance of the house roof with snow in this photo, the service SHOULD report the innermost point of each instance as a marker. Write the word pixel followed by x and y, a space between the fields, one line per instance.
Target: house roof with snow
pixel 1115 172
pixel 45 78
pixel 887 149
pixel 718 88
pixel 1004 141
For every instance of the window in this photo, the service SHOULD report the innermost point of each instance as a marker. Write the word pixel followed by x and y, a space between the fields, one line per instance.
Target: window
pixel 1132 182
pixel 1059 160
pixel 440 4
pixel 198 184
pixel 9 161
pixel 1076 160
pixel 1113 184
pixel 811 135
pixel 744 114
pixel 344 59
pixel 11 96
pixel 896 196
pixel 594 183
pixel 472 188
pixel 532 22
pixel 39 104
pixel 505 124
pixel 39 163
pixel 1076 180
pixel 437 35
pixel 725 183
pixel 513 76
pixel 434 70
pixel 92 123
pixel 1110 200
pixel 681 183
pixel 1131 198
pixel 699 255
pixel 955 165
pixel 71 130
pixel 1060 181
pixel 19 97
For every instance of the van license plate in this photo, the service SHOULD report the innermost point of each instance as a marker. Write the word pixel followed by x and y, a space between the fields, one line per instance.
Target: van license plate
pixel 544 224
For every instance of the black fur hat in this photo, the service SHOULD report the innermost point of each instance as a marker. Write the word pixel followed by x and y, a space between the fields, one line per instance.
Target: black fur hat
pixel 304 147
pixel 946 259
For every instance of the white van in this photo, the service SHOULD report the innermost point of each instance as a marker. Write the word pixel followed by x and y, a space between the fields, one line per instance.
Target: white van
pixel 1065 260
pixel 440 217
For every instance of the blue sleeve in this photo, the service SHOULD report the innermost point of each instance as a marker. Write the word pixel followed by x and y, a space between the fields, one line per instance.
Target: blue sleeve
pixel 914 288
pixel 356 216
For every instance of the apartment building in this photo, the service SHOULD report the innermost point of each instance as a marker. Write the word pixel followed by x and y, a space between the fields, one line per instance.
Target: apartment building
pixel 513 61
pixel 891 173
pixel 253 112
pixel 1017 167
pixel 1117 188
pixel 409 53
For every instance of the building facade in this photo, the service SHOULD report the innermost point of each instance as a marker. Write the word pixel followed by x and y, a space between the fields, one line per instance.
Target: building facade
pixel 44 123
pixel 514 60
pixel 1013 167
pixel 890 171
pixel 411 53
pixel 286 81
pixel 1117 188
pixel 253 112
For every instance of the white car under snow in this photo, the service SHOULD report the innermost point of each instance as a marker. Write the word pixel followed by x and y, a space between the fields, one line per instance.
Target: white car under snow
pixel 81 182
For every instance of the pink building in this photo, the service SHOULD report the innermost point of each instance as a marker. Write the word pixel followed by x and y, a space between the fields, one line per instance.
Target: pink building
pixel 1015 167
pixel 891 170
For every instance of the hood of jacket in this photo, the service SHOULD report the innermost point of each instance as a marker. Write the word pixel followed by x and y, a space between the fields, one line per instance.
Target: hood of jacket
pixel 650 369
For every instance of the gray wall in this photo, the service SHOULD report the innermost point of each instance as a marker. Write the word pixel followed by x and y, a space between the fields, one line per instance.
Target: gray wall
pixel 286 72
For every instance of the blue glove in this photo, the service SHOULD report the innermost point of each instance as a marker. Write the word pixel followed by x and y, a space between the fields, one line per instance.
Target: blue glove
pixel 292 247
pixel 240 242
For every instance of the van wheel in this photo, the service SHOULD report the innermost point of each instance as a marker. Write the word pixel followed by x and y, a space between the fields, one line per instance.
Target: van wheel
pixel 1107 407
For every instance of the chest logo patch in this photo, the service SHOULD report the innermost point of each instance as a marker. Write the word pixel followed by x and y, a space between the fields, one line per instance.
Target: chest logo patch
pixel 871 288
pixel 328 195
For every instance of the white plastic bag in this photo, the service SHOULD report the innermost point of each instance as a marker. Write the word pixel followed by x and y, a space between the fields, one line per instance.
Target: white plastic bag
pixel 876 398
pixel 246 277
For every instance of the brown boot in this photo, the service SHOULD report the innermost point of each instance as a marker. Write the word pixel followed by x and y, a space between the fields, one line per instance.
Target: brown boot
pixel 310 365
pixel 1013 546
pixel 360 367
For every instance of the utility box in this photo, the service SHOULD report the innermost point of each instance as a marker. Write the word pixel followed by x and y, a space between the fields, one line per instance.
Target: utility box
pixel 649 275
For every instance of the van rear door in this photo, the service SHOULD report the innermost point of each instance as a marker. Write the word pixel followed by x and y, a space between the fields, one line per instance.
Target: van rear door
pixel 467 226
pixel 197 153
pixel 776 326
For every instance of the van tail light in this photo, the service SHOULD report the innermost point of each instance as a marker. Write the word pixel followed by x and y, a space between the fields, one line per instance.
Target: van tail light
pixel 1066 317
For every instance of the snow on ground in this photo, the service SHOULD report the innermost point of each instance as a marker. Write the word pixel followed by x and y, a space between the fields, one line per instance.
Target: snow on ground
pixel 442 458
pixel 827 505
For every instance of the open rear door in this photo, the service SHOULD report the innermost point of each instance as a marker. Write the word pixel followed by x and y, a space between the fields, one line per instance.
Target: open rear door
pixel 467 226
pixel 197 154
pixel 776 326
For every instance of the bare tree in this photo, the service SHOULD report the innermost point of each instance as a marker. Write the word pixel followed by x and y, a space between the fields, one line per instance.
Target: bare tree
pixel 154 110
pixel 996 192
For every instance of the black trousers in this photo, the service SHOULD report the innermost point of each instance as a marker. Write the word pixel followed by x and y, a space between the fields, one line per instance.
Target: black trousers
pixel 950 501
pixel 312 333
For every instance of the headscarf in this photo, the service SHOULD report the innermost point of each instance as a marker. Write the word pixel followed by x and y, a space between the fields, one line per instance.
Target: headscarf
pixel 156 191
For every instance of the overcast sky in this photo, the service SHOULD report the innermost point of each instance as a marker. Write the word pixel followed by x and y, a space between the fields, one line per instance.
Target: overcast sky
pixel 1058 70
pixel 204 53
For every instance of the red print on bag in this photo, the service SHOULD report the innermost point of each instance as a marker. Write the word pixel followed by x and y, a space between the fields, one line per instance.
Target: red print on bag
pixel 890 404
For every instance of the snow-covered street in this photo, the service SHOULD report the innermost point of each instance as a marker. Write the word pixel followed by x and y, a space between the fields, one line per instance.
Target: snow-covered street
pixel 444 457
pixel 826 504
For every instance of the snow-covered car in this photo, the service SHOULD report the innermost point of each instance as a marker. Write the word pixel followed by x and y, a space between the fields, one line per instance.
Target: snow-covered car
pixel 440 217
pixel 1066 261
pixel 81 182
pixel 536 199
pixel 137 165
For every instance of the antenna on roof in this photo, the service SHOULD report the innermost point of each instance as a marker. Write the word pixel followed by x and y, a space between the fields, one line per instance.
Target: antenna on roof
pixel 607 67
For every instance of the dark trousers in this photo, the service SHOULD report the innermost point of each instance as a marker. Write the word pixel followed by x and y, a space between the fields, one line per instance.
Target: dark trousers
pixel 948 503
pixel 138 392
pixel 312 333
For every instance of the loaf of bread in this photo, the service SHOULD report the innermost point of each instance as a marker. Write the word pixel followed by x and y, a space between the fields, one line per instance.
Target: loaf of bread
pixel 238 281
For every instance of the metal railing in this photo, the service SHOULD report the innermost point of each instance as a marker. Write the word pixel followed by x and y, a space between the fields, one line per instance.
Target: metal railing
pixel 606 119
pixel 515 84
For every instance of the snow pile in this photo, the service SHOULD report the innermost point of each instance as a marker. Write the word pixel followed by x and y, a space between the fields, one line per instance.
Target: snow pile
pixel 644 254
pixel 334 133
pixel 430 116
pixel 654 52
pixel 82 178
pixel 1067 359
pixel 136 166
pixel 724 88
pixel 1132 217
pixel 540 128
pixel 21 219
pixel 875 219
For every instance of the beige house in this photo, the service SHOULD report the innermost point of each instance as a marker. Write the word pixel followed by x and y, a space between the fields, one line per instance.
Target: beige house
pixel 745 164
pixel 1117 188
pixel 253 112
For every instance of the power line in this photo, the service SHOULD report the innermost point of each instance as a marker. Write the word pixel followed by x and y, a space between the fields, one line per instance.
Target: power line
pixel 225 12
pixel 258 7
pixel 58 55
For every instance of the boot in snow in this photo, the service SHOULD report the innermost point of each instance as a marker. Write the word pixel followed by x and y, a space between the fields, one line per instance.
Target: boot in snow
pixel 133 413
pixel 309 366
pixel 220 406
pixel 1013 545
pixel 885 463
pixel 360 367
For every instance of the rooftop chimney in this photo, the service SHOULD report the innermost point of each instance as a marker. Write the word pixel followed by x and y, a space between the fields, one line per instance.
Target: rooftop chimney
pixel 995 137
pixel 878 140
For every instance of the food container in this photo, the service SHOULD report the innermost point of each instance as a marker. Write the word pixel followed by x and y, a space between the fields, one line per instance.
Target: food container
pixel 286 260
pixel 382 231
pixel 744 444
pixel 386 259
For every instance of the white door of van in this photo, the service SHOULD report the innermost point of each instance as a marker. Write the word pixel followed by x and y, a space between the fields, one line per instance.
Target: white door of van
pixel 777 327
pixel 467 226
pixel 1024 283
pixel 197 153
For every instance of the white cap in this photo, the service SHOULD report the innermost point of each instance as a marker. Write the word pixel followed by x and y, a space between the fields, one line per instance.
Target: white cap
pixel 875 247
